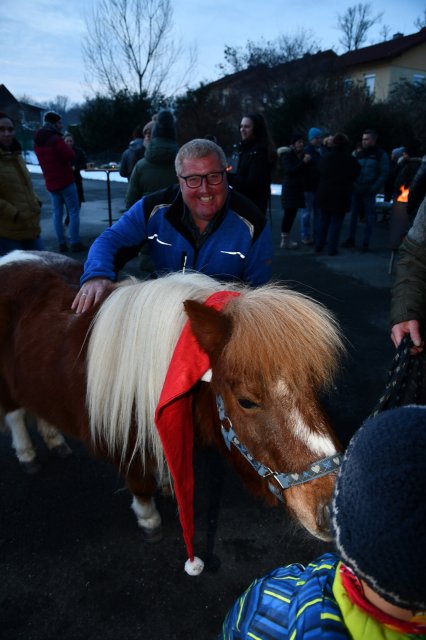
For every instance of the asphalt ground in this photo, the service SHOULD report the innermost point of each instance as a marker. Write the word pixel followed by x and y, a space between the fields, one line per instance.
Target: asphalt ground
pixel 72 561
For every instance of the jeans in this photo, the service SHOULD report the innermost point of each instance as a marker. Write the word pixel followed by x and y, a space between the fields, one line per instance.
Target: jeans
pixel 7 245
pixel 309 219
pixel 363 202
pixel 68 196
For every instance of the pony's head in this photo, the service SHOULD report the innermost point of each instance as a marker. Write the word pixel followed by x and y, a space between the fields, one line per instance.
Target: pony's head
pixel 272 351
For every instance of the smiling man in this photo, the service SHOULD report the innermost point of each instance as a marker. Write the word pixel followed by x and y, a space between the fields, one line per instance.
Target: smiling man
pixel 202 224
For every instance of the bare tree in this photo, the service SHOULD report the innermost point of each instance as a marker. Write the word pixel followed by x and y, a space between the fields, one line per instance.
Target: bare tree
pixel 355 23
pixel 128 46
pixel 270 52
pixel 59 104
pixel 420 22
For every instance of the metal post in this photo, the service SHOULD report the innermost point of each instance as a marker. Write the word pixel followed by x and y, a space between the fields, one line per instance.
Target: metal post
pixel 109 199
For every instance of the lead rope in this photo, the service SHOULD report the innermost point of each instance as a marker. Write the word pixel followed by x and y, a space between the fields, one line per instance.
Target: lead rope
pixel 405 378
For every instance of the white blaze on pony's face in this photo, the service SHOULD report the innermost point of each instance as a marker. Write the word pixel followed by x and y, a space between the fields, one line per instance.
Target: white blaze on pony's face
pixel 320 444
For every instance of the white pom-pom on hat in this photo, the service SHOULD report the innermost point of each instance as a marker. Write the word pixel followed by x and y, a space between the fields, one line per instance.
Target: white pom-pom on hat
pixel 194 567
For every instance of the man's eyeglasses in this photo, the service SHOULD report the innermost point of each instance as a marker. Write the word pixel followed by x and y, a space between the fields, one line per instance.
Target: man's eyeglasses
pixel 213 179
pixel 10 129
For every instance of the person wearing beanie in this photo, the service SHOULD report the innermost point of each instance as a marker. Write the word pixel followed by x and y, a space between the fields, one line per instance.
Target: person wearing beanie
pixel 293 163
pixel 56 160
pixel 309 219
pixel 373 587
pixel 19 205
pixel 156 170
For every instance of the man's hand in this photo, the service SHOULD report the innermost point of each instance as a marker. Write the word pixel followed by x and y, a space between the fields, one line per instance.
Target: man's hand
pixel 411 328
pixel 90 293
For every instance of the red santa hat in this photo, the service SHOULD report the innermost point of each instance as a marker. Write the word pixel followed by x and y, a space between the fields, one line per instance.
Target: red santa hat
pixel 173 418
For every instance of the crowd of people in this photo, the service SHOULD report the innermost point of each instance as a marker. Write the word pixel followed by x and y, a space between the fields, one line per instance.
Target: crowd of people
pixel 193 211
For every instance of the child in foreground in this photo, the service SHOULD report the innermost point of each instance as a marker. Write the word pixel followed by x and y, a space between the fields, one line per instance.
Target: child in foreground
pixel 374 588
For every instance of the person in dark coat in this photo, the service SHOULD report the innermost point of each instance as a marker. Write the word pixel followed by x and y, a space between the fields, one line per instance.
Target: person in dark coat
pixel 79 164
pixel 55 158
pixel 156 170
pixel 136 149
pixel 293 166
pixel 256 159
pixel 338 170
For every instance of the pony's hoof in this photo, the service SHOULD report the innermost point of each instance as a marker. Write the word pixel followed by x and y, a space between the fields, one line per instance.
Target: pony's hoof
pixel 152 535
pixel 31 467
pixel 62 450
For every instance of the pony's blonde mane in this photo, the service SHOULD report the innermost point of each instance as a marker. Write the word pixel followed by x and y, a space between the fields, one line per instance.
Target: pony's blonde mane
pixel 285 332
pixel 131 344
pixel 134 334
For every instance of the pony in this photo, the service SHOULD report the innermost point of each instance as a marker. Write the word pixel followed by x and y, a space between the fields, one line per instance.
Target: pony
pixel 161 365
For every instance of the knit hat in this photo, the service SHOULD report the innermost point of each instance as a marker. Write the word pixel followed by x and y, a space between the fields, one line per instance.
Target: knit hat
pixel 314 133
pixel 397 153
pixel 173 419
pixel 52 117
pixel 164 126
pixel 379 506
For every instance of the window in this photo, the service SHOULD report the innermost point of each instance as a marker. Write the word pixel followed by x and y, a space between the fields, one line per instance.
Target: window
pixel 369 82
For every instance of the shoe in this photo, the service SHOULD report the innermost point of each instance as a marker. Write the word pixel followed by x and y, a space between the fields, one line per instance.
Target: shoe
pixel 77 246
pixel 347 244
pixel 318 249
pixel 286 243
pixel 63 248
pixel 307 241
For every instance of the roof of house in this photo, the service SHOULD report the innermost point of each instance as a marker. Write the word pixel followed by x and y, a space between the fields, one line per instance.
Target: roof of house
pixel 384 50
pixel 319 61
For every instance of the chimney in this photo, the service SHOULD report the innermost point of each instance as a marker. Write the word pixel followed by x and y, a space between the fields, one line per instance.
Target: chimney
pixel 397 35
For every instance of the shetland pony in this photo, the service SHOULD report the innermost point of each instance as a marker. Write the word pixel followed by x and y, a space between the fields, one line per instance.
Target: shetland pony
pixel 100 377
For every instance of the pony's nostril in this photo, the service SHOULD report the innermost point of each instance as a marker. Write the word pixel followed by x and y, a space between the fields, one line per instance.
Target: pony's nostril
pixel 323 518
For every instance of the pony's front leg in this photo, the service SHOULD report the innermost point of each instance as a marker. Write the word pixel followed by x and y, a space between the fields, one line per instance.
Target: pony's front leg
pixel 21 441
pixel 142 485
pixel 148 518
pixel 53 439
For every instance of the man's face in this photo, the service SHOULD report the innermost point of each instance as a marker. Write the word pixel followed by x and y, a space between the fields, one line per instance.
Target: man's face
pixel 205 201
pixel 316 142
pixel 7 132
pixel 299 144
pixel 368 140
pixel 147 135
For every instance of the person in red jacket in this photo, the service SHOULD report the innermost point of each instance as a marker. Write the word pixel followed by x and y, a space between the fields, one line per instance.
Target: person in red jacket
pixel 56 159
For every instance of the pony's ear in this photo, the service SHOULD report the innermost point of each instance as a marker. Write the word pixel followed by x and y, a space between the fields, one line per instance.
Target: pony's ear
pixel 211 328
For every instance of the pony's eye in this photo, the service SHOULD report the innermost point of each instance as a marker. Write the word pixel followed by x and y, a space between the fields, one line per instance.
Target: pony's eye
pixel 247 404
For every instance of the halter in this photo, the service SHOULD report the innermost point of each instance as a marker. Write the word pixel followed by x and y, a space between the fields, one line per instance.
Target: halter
pixel 284 481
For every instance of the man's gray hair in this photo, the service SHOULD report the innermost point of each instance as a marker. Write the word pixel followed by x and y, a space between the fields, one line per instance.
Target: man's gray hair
pixel 199 148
